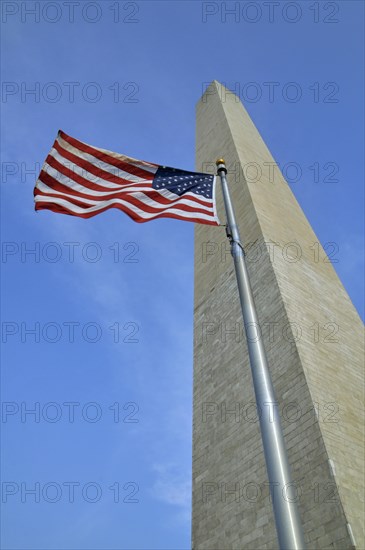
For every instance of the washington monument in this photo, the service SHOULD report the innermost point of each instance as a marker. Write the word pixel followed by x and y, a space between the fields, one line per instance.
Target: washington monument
pixel 313 339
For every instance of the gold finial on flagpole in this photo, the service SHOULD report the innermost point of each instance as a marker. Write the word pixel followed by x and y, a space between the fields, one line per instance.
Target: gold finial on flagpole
pixel 221 166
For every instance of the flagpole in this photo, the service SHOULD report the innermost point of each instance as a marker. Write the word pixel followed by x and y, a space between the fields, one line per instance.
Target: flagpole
pixel 283 490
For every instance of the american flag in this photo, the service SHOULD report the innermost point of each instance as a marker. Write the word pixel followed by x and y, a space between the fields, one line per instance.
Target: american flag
pixel 81 180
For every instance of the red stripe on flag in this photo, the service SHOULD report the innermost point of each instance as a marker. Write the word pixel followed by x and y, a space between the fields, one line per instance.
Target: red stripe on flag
pixel 73 176
pixel 92 168
pixel 63 210
pixel 122 165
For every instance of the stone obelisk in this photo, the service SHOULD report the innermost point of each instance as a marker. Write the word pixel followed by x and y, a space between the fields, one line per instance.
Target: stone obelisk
pixel 313 338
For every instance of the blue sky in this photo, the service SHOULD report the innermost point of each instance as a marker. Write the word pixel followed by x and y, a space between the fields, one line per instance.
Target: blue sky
pixel 108 367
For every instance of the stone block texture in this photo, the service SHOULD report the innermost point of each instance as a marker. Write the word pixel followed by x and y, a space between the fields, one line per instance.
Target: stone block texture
pixel 314 342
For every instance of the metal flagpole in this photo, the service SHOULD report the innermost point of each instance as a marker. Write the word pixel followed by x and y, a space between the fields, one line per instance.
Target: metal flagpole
pixel 283 491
